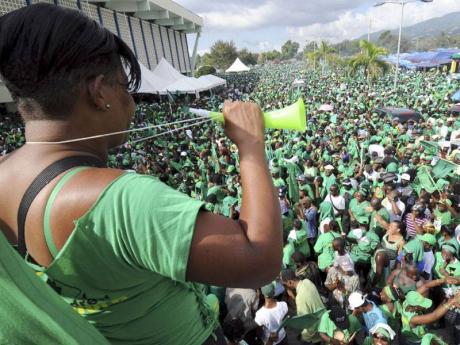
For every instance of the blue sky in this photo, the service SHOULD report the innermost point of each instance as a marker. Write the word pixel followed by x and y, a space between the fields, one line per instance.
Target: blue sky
pixel 261 25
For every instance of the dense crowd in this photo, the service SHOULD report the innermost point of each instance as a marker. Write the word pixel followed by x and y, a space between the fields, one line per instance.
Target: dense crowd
pixel 370 205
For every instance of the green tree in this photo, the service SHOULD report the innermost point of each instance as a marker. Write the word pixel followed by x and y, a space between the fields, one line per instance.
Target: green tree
pixel 368 61
pixel 269 56
pixel 289 50
pixel 222 55
pixel 204 70
pixel 198 61
pixel 323 54
pixel 247 57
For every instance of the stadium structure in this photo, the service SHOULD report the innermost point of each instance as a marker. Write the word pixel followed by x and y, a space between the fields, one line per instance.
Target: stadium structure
pixel 154 29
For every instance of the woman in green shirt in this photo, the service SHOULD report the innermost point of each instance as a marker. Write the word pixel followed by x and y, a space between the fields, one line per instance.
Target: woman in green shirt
pixel 414 317
pixel 323 246
pixel 125 250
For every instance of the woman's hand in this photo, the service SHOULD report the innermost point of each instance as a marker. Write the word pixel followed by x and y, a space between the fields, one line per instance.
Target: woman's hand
pixel 244 123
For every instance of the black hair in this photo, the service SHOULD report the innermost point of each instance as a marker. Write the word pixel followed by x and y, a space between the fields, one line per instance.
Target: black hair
pixel 47 51
pixel 450 231
pixel 233 330
pixel 288 274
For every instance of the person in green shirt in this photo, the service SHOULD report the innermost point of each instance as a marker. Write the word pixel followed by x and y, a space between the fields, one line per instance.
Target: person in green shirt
pixel 336 327
pixel 323 246
pixel 442 214
pixel 447 236
pixel 382 334
pixel 307 301
pixel 328 177
pixel 358 209
pixel 414 317
pixel 391 298
pixel 125 250
pixel 377 211
pixel 309 169
pixel 447 265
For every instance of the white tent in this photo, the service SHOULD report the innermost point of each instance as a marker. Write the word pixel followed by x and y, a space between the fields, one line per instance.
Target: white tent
pixel 150 83
pixel 213 80
pixel 237 66
pixel 167 73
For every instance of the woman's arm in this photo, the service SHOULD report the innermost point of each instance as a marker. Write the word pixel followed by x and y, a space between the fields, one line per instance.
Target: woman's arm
pixel 247 253
pixel 436 314
pixel 431 284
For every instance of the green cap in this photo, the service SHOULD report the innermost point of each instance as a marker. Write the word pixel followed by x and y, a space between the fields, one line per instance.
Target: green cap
pixel 413 298
pixel 269 290
pixel 428 238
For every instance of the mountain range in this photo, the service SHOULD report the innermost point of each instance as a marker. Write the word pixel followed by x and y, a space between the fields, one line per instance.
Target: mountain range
pixel 450 24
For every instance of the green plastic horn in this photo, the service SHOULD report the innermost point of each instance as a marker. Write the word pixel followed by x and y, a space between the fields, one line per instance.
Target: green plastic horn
pixel 291 117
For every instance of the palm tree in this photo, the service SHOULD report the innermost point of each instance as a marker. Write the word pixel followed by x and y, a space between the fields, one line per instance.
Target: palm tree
pixel 324 54
pixel 369 61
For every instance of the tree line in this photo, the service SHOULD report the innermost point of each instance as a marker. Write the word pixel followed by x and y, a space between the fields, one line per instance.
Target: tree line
pixel 353 55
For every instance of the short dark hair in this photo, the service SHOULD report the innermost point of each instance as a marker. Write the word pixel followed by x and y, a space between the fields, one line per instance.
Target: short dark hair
pixel 47 51
pixel 288 274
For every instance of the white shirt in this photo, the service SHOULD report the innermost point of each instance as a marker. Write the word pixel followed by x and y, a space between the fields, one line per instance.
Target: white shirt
pixel 379 149
pixel 344 261
pixel 271 319
pixel 337 201
pixel 393 216
pixel 373 176
pixel 428 258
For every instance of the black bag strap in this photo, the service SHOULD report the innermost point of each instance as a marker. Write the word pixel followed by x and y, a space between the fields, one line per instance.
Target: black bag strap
pixel 40 182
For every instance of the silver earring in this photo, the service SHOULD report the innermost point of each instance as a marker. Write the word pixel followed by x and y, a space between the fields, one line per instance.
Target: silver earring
pixel 107 106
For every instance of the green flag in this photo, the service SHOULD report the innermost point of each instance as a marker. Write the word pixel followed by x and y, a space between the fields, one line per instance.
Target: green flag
pixel 302 322
pixel 444 168
pixel 293 186
pixel 424 180
pixel 430 146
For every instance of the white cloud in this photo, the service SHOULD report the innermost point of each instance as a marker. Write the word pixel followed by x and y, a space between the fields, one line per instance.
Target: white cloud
pixel 256 14
pixel 352 25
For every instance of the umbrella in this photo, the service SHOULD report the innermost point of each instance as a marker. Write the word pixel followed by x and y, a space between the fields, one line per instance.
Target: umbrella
pixel 456 97
pixel 326 107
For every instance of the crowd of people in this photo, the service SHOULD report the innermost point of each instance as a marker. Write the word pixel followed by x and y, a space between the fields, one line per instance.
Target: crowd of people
pixel 370 204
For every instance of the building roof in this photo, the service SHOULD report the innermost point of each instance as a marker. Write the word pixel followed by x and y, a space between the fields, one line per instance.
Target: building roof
pixel 161 12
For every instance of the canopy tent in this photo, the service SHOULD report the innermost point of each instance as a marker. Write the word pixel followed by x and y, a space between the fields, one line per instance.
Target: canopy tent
pixel 166 79
pixel 213 80
pixel 237 66
pixel 420 60
pixel 150 83
pixel 167 73
pixel 456 96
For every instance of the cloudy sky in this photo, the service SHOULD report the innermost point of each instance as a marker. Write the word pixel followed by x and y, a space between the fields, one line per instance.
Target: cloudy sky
pixel 262 25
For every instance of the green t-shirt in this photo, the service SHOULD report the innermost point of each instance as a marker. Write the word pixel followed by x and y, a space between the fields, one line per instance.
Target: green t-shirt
pixel 124 266
pixel 31 312
pixel 413 334
pixel 217 190
pixel 327 326
pixel 308 301
pixel 323 247
pixel 359 210
pixel 444 217
pixel 375 225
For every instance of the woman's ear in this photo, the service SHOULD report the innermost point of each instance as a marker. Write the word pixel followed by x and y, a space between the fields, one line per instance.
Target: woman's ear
pixel 97 93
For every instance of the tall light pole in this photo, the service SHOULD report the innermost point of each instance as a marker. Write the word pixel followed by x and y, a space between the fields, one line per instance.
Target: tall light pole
pixel 402 3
